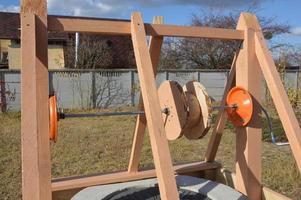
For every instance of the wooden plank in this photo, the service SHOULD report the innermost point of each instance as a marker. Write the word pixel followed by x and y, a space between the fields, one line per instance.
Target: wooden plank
pixel 123 27
pixel 36 170
pixel 82 182
pixel 90 25
pixel 154 51
pixel 194 31
pixel 159 144
pixel 248 139
pixel 221 117
pixel 268 194
pixel 228 178
pixel 279 96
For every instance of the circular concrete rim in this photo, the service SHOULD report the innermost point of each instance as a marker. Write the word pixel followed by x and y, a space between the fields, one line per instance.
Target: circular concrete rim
pixel 213 190
pixel 202 128
pixel 171 96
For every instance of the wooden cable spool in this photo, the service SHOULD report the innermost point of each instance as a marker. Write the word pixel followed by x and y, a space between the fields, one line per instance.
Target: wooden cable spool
pixel 171 96
pixel 199 112
pixel 190 109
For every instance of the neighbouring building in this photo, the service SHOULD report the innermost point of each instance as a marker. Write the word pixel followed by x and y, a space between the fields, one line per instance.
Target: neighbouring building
pixel 10 51
pixel 94 51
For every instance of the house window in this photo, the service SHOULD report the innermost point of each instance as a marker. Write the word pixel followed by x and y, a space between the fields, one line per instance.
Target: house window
pixel 4 57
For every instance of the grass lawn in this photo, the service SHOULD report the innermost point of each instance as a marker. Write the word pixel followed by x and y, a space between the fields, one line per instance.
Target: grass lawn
pixel 96 145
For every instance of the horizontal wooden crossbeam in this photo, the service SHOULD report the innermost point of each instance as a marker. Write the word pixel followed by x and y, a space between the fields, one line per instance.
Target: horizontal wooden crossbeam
pixel 123 27
pixel 82 182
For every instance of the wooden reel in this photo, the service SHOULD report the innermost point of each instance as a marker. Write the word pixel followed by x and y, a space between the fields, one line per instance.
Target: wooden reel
pixel 190 109
pixel 199 104
pixel 171 96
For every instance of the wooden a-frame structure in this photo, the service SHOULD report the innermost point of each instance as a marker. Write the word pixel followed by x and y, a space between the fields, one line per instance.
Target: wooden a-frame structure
pixel 249 64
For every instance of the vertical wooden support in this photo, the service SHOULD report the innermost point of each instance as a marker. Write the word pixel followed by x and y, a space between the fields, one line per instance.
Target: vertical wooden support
pixel 159 144
pixel 154 51
pixel 280 99
pixel 248 139
pixel 221 117
pixel 36 170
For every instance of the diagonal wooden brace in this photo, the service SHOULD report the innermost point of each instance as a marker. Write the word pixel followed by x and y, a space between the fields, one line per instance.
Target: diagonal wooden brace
pixel 159 143
pixel 154 51
pixel 281 101
pixel 221 117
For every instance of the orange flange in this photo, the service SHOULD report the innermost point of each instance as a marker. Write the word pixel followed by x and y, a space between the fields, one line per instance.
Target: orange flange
pixel 240 104
pixel 53 118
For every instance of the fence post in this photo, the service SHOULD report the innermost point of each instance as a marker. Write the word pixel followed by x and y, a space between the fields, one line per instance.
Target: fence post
pixel 2 93
pixel 93 90
pixel 167 75
pixel 133 88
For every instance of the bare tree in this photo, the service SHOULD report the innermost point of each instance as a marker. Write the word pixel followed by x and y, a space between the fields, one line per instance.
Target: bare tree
pixel 205 53
pixel 108 92
pixel 98 52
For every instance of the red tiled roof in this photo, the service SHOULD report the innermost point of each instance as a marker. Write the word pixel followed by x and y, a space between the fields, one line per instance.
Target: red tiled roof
pixel 10 28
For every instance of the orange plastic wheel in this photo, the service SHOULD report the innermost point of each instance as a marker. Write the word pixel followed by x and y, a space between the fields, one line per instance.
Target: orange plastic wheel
pixel 242 106
pixel 53 118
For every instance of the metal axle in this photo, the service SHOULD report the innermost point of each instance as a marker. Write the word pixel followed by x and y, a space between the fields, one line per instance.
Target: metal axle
pixel 234 106
pixel 105 114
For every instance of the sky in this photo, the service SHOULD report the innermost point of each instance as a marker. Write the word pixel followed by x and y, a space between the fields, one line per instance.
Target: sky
pixel 176 11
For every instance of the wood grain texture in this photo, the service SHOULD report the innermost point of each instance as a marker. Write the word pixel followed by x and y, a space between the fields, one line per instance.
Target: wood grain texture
pixel 268 194
pixel 280 98
pixel 82 182
pixel 248 138
pixel 221 118
pixel 159 144
pixel 155 45
pixel 122 27
pixel 36 171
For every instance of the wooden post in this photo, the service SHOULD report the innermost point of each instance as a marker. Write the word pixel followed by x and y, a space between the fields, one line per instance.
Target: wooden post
pixel 280 99
pixel 36 171
pixel 159 144
pixel 220 122
pixel 154 51
pixel 248 139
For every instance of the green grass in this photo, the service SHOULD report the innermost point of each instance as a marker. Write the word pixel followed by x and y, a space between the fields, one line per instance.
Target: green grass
pixel 95 145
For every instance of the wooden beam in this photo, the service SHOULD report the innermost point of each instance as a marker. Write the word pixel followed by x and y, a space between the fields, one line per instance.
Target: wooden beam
pixel 268 194
pixel 248 139
pixel 159 144
pixel 279 96
pixel 221 117
pixel 228 178
pixel 154 51
pixel 82 182
pixel 36 170
pixel 123 27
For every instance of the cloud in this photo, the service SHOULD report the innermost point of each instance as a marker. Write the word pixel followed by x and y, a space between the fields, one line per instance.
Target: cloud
pixel 105 8
pixel 10 8
pixel 296 31
pixel 97 8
